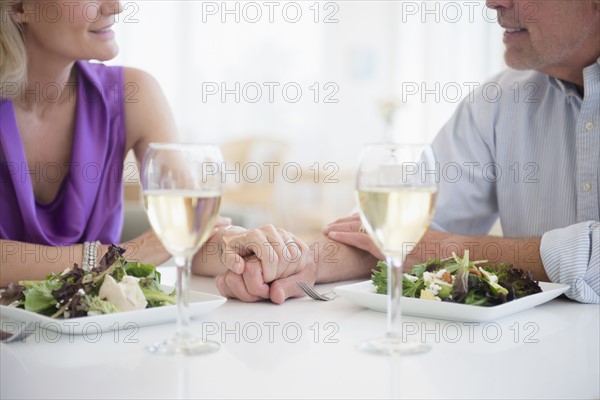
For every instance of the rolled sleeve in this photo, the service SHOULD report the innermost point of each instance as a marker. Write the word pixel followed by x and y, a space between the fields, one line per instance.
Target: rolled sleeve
pixel 571 256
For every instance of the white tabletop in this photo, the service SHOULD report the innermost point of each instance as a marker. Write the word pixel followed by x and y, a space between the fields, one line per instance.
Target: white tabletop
pixel 306 349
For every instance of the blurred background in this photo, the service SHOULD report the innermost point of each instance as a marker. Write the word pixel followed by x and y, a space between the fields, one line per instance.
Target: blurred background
pixel 293 90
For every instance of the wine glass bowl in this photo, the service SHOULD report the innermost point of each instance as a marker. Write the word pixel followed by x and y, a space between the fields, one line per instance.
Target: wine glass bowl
pixel 396 191
pixel 182 190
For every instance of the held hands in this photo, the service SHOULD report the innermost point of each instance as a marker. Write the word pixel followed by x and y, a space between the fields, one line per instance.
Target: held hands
pixel 264 263
pixel 348 231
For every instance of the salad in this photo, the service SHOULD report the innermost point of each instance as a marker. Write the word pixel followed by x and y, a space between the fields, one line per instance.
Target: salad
pixel 459 280
pixel 114 285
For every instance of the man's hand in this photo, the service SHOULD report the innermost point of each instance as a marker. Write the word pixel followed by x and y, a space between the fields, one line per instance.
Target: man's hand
pixel 348 231
pixel 523 253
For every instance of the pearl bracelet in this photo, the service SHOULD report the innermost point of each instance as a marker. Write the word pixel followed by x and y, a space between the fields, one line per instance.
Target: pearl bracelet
pixel 90 255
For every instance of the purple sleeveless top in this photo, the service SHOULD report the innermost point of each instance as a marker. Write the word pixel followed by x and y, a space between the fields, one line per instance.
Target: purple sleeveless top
pixel 88 205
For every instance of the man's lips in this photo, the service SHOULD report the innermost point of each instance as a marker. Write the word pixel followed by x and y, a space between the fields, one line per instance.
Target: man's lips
pixel 513 33
pixel 513 30
pixel 511 26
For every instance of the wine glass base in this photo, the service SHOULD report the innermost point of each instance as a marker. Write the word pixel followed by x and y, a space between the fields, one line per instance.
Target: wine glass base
pixel 392 346
pixel 184 346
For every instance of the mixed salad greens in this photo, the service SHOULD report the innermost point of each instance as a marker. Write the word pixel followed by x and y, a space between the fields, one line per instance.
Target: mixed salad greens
pixel 113 285
pixel 459 280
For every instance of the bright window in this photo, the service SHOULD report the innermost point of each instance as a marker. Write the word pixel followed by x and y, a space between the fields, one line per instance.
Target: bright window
pixel 312 73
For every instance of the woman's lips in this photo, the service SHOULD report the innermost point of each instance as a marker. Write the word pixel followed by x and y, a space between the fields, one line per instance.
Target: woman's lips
pixel 104 33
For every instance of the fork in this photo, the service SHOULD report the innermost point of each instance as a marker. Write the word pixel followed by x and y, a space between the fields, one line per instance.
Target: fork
pixel 20 334
pixel 312 293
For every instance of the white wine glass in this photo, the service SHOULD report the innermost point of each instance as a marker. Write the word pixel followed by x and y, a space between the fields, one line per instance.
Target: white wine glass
pixel 396 188
pixel 182 193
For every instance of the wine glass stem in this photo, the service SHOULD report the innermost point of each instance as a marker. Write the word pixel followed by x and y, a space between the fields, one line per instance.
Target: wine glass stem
pixel 394 320
pixel 183 286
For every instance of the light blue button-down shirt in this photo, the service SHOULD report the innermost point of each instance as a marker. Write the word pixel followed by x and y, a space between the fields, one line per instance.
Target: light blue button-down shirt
pixel 525 147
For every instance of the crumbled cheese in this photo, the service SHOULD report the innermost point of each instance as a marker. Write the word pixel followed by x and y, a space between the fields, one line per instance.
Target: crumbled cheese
pixel 436 278
pixel 434 288
pixel 125 295
pixel 428 276
pixel 429 294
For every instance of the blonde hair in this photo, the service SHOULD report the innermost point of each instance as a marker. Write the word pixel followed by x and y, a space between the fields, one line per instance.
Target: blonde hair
pixel 13 54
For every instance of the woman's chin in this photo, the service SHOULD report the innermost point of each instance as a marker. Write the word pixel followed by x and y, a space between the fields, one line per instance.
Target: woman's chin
pixel 107 54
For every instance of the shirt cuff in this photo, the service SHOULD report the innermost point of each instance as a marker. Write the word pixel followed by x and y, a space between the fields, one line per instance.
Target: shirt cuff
pixel 571 256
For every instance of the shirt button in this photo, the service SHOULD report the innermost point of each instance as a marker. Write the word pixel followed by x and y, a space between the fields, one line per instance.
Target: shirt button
pixel 589 126
pixel 587 187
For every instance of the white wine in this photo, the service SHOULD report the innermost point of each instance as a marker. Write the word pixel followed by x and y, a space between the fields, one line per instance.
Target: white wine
pixel 396 217
pixel 182 219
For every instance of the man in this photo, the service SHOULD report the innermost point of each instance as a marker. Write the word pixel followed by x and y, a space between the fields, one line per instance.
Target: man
pixel 529 155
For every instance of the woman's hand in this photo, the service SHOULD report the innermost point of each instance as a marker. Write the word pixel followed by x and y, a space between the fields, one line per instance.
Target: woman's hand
pixel 264 263
pixel 221 223
pixel 146 249
pixel 348 231
pixel 250 287
pixel 280 253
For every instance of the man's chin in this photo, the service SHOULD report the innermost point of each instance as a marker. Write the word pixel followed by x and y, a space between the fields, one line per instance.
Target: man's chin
pixel 518 63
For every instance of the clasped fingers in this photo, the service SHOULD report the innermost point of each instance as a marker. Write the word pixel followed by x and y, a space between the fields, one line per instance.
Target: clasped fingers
pixel 280 253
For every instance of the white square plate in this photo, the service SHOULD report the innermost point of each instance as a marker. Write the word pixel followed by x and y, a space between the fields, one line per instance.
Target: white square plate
pixel 199 302
pixel 363 294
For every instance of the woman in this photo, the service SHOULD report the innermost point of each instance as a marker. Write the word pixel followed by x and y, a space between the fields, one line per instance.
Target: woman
pixel 66 126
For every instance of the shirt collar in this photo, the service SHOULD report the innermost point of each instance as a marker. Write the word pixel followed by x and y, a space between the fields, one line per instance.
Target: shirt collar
pixel 590 73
